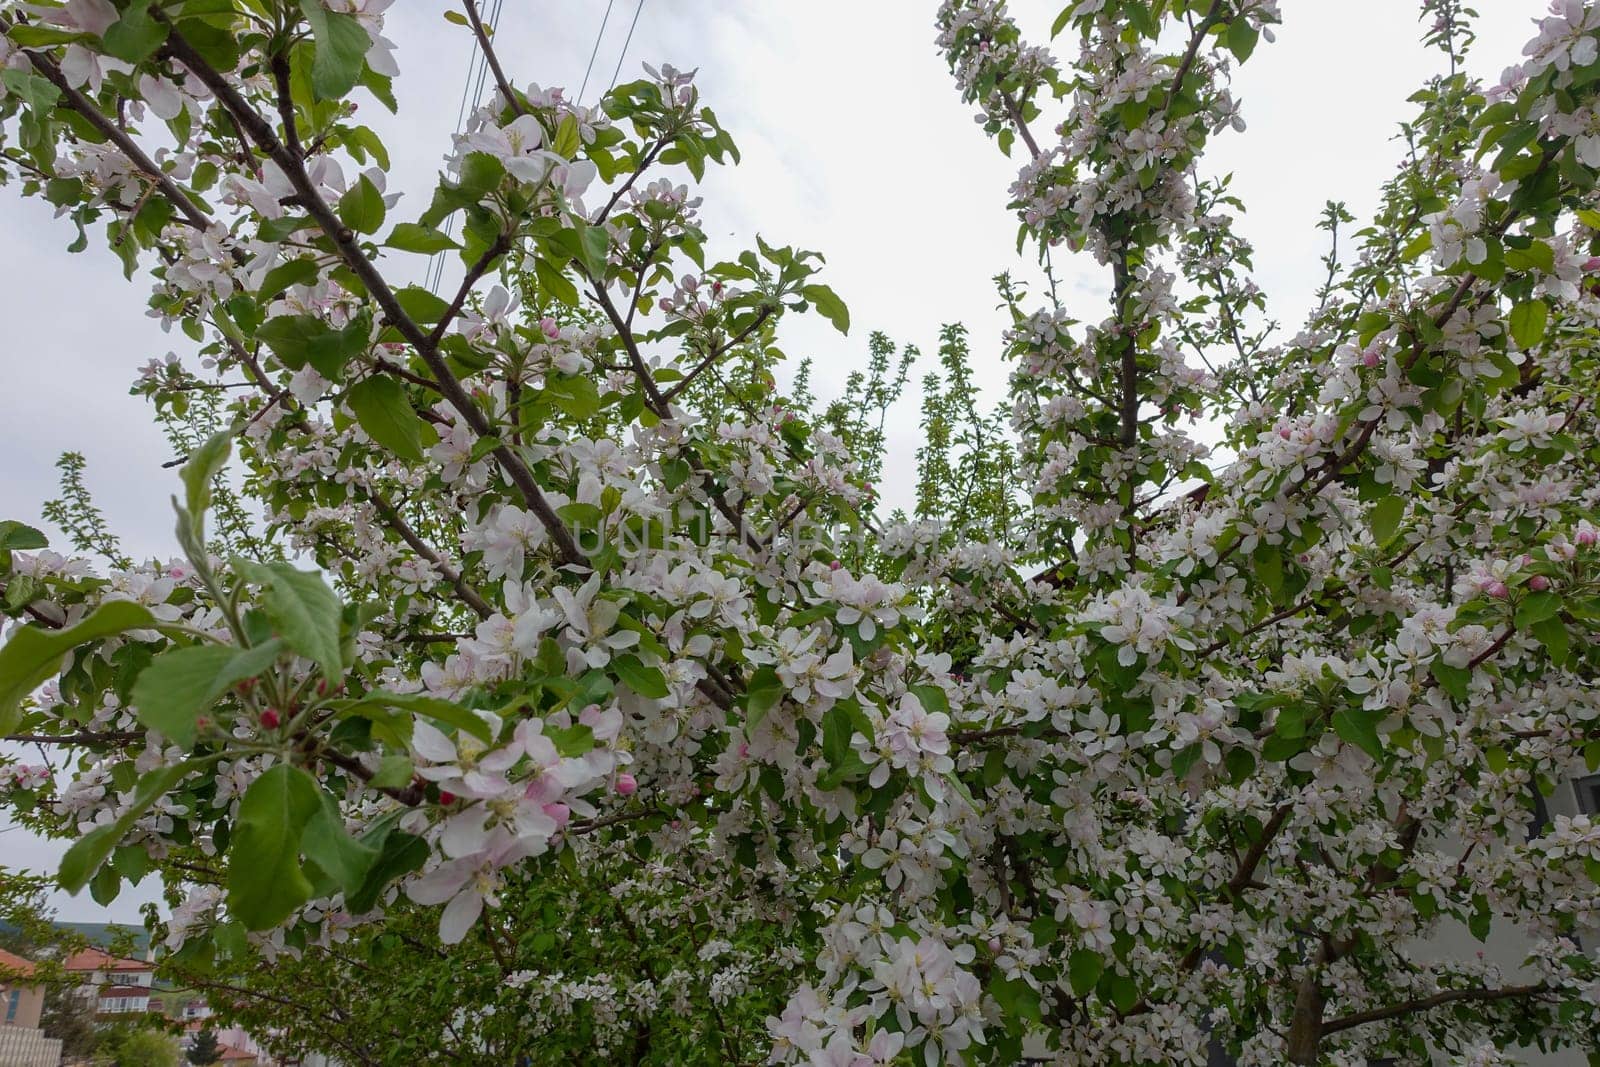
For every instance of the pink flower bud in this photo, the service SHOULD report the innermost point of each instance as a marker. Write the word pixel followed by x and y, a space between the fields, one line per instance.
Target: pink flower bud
pixel 1592 263
pixel 271 719
pixel 1538 583
pixel 560 813
pixel 744 750
pixel 994 944
pixel 1585 538
pixel 1497 589
pixel 1370 357
pixel 626 786
pixel 548 326
pixel 446 797
pixel 835 565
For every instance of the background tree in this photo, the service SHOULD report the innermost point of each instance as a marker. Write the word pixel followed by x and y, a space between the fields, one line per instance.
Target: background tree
pixel 204 1049
pixel 608 655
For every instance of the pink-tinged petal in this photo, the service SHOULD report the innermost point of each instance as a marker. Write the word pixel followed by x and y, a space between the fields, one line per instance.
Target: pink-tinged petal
pixel 459 916
pixel 464 834
pixel 439 884
pixel 482 786
pixel 501 759
pixel 431 744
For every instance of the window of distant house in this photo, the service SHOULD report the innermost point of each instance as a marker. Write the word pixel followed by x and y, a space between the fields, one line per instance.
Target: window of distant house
pixel 124 979
pixel 11 1005
pixel 1587 790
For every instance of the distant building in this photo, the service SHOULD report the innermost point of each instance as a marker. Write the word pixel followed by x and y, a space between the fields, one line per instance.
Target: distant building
pixel 22 1043
pixel 116 985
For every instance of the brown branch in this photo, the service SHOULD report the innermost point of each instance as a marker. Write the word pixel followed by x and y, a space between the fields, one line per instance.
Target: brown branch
pixel 377 287
pixel 494 61
pixel 1436 1000
pixel 395 522
pixel 115 134
pixel 716 354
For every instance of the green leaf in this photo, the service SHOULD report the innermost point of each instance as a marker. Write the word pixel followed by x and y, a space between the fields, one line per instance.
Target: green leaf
pixel 362 208
pixel 646 681
pixel 933 698
pixel 205 463
pixel 1537 607
pixel 829 305
pixel 443 711
pixel 1242 38
pixel 300 339
pixel 1385 517
pixel 571 741
pixel 341 50
pixel 266 883
pixel 178 686
pixel 135 36
pixel 399 854
pixel 302 608
pixel 394 772
pixel 1456 681
pixel 1359 728
pixel 14 534
pixel 1084 969
pixel 1016 998
pixel 761 696
pixel 329 845
pixel 413 237
pixel 481 174
pixel 91 850
pixel 38 94
pixel 1528 320
pixel 33 655
pixel 384 411
pixel 1552 634
pixel 421 305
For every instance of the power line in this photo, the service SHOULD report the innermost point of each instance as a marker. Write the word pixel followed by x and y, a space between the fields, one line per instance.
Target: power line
pixel 471 92
pixel 625 44
pixel 595 50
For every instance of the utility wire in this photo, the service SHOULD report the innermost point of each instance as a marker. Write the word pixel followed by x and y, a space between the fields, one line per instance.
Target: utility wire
pixel 471 92
pixel 595 50
pixel 625 45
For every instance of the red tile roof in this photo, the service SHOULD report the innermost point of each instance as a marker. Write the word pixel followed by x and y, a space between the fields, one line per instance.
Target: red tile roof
pixel 13 964
pixel 92 959
pixel 230 1053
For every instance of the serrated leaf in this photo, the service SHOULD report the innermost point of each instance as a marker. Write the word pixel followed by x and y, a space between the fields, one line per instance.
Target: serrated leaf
pixel 646 681
pixel 1528 320
pixel 266 882
pixel 1084 968
pixel 329 845
pixel 442 711
pixel 414 237
pixel 1537 607
pixel 14 534
pixel 384 411
pixel 761 696
pixel 1359 728
pixel 204 464
pixel 342 47
pixel 362 208
pixel 1384 518
pixel 1552 634
pixel 304 610
pixel 33 655
pixel 179 685
pixel 828 305
pixel 84 858
pixel 135 36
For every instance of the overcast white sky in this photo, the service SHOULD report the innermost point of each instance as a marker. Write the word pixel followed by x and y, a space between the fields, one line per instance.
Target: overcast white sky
pixel 854 144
